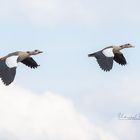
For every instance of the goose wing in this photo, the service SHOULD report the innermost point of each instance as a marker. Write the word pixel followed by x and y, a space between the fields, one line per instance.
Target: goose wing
pixel 105 63
pixel 120 59
pixel 7 74
pixel 30 62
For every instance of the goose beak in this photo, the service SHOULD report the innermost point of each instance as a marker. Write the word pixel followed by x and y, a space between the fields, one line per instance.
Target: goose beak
pixel 40 52
pixel 132 47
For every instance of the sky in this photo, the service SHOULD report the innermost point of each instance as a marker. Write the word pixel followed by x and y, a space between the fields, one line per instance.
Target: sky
pixel 69 96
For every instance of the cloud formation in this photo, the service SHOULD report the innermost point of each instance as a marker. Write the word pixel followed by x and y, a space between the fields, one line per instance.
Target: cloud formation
pixel 31 116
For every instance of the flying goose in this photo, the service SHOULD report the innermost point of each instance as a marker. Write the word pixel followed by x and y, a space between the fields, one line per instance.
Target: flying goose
pixel 106 56
pixel 9 63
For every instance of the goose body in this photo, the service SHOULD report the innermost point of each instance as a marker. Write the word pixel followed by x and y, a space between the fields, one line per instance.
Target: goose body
pixel 9 63
pixel 106 56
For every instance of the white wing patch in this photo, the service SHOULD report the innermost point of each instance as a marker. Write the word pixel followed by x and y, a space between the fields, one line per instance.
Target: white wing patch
pixel 11 61
pixel 108 52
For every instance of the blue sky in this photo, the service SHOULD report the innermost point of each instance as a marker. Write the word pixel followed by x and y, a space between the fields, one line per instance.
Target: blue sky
pixel 67 31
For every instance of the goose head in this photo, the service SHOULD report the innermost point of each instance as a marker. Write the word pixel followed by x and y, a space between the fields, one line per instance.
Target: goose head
pixel 128 45
pixel 35 52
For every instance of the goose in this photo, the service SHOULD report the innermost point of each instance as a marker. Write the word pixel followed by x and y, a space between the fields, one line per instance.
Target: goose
pixel 106 56
pixel 9 63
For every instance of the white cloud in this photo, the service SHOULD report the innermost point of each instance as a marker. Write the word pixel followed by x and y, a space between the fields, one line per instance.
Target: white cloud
pixel 31 116
pixel 126 129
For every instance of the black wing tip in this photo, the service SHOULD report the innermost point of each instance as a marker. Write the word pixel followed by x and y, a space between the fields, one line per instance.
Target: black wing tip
pixel 5 83
pixel 106 70
pixel 123 64
pixel 34 67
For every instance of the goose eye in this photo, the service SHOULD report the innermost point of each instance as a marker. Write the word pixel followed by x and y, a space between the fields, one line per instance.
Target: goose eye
pixel 128 44
pixel 36 50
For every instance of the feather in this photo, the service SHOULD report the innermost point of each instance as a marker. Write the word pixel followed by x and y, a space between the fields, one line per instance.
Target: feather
pixel 30 62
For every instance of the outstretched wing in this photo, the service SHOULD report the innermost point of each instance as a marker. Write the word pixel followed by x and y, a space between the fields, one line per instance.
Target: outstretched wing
pixel 7 74
pixel 30 62
pixel 105 63
pixel 120 59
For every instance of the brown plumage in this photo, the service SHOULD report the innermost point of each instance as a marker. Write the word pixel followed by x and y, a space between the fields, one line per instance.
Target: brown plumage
pixel 8 64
